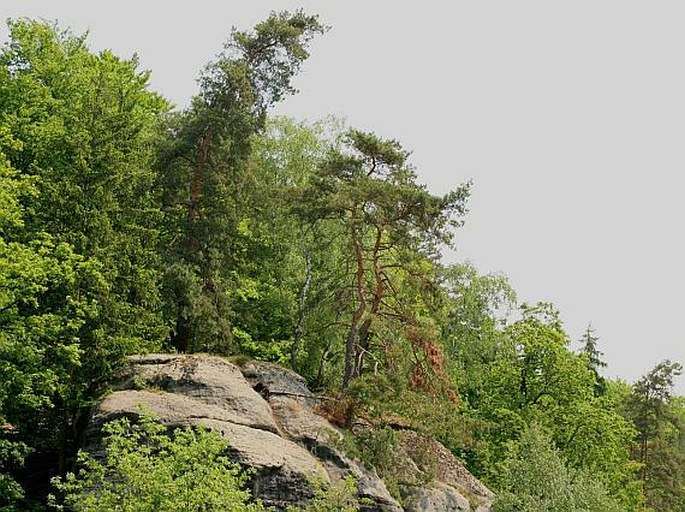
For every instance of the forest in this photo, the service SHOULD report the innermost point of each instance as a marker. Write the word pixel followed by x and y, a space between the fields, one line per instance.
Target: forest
pixel 128 226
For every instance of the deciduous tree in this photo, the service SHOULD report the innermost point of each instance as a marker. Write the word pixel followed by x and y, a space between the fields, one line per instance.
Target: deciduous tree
pixel 78 255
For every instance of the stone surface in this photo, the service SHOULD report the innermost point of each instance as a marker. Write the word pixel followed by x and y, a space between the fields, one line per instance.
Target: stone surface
pixel 452 487
pixel 293 407
pixel 437 498
pixel 204 390
pixel 283 470
pixel 209 380
pixel 272 423
pixel 274 379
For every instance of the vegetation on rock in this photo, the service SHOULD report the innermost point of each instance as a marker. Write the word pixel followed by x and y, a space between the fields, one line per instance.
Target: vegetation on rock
pixel 126 227
pixel 144 468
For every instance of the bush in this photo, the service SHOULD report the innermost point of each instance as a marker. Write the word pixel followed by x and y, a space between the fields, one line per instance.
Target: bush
pixel 146 470
pixel 12 455
pixel 338 497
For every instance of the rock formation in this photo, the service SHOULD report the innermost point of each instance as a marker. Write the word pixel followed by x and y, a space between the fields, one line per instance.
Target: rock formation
pixel 269 417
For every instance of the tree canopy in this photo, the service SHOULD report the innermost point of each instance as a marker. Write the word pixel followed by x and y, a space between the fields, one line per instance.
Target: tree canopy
pixel 128 226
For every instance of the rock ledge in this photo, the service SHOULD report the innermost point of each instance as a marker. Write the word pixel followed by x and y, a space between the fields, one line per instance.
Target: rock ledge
pixel 268 415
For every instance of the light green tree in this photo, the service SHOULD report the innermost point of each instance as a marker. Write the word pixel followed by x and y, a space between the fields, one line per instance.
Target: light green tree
pixel 280 289
pixel 476 309
pixel 85 127
pixel 535 478
pixel 145 469
pixel 40 318
pixel 81 267
pixel 532 376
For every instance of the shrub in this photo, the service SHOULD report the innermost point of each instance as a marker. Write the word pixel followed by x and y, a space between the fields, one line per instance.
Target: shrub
pixel 146 470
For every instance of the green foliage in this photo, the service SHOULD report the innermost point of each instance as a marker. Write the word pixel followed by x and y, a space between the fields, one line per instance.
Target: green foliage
pixel 145 469
pixel 39 343
pixel 651 395
pixel 84 126
pixel 207 181
pixel 545 373
pixel 377 449
pixel 659 419
pixel 280 287
pixel 78 257
pixel 516 374
pixel 475 309
pixel 392 227
pixel 12 455
pixel 123 224
pixel 42 311
pixel 594 358
pixel 535 478
pixel 341 496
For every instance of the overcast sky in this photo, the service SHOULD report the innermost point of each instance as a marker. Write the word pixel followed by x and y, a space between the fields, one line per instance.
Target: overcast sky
pixel 568 116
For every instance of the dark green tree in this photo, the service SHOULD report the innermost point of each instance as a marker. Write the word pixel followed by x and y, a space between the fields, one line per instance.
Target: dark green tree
pixel 590 350
pixel 649 408
pixel 206 179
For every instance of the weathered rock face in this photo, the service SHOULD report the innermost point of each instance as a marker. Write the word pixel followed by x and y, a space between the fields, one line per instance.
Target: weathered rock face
pixel 268 415
pixel 204 390
pixel 452 487
pixel 293 408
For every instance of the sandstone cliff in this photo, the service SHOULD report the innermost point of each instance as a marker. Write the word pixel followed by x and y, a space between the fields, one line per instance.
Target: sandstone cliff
pixel 269 416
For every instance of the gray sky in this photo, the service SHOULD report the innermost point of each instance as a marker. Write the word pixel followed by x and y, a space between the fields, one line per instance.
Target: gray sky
pixel 568 116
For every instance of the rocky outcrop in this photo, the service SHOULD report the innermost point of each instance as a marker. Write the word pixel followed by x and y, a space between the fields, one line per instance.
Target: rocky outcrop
pixel 185 391
pixel 270 418
pixel 450 486
pixel 293 407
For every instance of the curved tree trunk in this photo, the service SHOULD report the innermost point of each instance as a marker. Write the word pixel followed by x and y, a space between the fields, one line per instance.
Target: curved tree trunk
pixel 351 365
pixel 365 333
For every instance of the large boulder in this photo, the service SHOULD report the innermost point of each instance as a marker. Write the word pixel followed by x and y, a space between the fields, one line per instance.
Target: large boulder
pixel 294 408
pixel 274 426
pixel 192 390
pixel 202 379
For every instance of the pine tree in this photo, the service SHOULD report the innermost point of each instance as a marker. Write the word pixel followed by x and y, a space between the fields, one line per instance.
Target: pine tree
pixel 206 178
pixel 594 358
